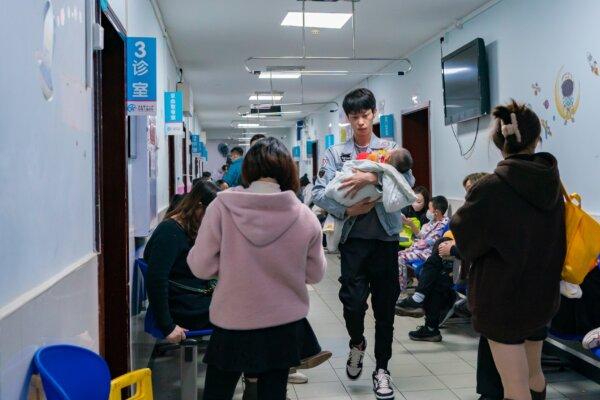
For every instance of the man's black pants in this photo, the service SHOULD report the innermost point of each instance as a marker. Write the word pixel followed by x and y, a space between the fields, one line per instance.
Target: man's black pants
pixel 370 267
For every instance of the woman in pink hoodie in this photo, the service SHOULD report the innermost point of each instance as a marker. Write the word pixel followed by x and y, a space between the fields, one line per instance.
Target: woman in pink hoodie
pixel 264 246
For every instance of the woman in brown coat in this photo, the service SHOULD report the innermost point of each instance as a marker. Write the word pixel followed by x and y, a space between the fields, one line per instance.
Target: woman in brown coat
pixel 512 230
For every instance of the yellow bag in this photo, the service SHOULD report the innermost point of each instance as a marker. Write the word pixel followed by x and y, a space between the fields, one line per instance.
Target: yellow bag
pixel 406 234
pixel 583 240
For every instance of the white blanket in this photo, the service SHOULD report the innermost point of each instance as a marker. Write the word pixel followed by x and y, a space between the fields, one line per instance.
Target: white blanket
pixel 396 192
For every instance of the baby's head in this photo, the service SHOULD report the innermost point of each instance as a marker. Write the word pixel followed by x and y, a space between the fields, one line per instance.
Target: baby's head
pixel 400 159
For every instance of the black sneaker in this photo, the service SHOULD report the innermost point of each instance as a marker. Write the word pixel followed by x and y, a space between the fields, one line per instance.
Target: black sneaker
pixel 354 365
pixel 382 385
pixel 409 308
pixel 424 334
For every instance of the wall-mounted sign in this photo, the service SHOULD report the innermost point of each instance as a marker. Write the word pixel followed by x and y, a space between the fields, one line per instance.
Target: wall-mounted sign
pixel 299 127
pixel 141 76
pixel 309 146
pixel 195 139
pixel 386 126
pixel 296 152
pixel 173 113
pixel 329 141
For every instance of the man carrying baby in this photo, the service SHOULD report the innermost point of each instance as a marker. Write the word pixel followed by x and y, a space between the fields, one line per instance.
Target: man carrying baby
pixel 369 243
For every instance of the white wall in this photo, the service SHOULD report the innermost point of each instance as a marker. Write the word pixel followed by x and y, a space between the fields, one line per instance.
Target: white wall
pixel 48 290
pixel 527 42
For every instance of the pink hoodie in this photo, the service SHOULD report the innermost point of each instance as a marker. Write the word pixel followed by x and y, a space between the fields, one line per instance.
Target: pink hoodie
pixel 263 245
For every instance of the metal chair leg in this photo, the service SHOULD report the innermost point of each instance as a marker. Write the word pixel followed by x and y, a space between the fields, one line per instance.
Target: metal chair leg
pixel 189 369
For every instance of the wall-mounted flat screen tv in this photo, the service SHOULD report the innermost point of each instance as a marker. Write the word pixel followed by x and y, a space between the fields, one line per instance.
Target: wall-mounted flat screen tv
pixel 466 83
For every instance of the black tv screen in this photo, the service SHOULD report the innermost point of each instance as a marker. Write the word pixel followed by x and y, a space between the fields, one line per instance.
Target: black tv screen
pixel 466 83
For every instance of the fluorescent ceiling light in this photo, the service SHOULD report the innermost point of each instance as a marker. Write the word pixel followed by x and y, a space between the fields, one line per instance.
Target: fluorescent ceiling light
pixel 279 75
pixel 252 116
pixel 265 97
pixel 317 20
pixel 345 124
pixel 248 125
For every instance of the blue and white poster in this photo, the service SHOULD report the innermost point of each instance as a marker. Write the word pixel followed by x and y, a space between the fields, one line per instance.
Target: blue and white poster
pixel 173 113
pixel 386 126
pixel 296 152
pixel 141 76
pixel 329 141
pixel 196 144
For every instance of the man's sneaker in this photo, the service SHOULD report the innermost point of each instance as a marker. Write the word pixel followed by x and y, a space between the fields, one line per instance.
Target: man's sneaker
pixel 424 334
pixel 250 389
pixel 592 339
pixel 297 378
pixel 409 308
pixel 354 366
pixel 382 385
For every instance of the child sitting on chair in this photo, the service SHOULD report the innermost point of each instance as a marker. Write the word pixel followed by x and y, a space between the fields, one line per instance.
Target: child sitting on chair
pixel 394 190
pixel 429 234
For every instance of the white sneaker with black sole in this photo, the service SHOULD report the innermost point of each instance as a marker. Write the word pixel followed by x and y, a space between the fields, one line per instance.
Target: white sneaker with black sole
pixel 382 385
pixel 592 339
pixel 354 365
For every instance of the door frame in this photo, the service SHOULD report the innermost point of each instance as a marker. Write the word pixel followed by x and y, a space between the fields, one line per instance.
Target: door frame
pixel 418 108
pixel 111 242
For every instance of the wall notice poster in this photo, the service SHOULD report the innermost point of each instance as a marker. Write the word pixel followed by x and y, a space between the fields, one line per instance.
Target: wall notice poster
pixel 173 113
pixel 296 152
pixel 141 76
pixel 386 126
pixel 329 141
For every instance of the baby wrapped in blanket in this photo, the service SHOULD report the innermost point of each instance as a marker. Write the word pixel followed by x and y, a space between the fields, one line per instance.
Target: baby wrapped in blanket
pixel 393 188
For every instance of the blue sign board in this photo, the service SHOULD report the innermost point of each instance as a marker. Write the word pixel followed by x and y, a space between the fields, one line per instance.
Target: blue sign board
pixel 329 141
pixel 299 127
pixel 309 145
pixel 141 76
pixel 174 113
pixel 296 151
pixel 386 126
pixel 196 144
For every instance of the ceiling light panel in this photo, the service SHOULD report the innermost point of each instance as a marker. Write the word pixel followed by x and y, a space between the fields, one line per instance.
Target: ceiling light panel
pixel 279 75
pixel 265 97
pixel 317 20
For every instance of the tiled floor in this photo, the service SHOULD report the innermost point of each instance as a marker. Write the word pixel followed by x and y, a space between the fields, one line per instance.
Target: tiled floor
pixel 420 370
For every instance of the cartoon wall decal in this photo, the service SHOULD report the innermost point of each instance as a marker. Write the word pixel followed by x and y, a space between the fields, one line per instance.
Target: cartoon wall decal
pixel 566 95
pixel 593 64
pixel 536 88
pixel 546 104
pixel 547 130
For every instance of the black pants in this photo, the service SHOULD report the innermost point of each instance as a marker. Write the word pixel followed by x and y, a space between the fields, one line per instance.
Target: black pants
pixel 370 266
pixel 220 385
pixel 432 268
pixel 489 383
pixel 439 299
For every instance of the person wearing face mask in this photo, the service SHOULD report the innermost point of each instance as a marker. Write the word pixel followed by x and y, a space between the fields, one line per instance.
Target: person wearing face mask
pixel 414 217
pixel 430 232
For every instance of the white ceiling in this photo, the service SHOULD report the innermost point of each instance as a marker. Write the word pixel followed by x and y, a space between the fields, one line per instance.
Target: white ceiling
pixel 212 38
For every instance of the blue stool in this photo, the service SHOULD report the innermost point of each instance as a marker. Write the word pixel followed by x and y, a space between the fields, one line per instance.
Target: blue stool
pixel 189 354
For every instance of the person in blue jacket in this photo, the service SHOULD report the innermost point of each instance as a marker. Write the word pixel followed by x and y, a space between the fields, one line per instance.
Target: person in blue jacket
pixel 233 176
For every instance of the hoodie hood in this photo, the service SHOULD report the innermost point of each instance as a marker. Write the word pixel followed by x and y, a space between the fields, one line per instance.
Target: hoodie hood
pixel 534 177
pixel 261 218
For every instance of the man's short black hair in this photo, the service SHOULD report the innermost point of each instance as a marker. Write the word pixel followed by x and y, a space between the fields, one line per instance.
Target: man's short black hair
pixel 206 174
pixel 359 100
pixel 440 203
pixel 237 150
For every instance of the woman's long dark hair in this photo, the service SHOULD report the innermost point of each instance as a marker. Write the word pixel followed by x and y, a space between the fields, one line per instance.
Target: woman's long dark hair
pixel 202 194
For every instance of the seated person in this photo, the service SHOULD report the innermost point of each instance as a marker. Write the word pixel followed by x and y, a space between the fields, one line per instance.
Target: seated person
pixel 415 216
pixel 395 191
pixel 435 277
pixel 179 300
pixel 422 248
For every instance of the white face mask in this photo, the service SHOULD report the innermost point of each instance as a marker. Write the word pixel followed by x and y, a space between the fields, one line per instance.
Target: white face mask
pixel 430 215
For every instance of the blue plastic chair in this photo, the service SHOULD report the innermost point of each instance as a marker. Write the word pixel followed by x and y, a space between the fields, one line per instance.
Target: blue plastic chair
pixel 72 373
pixel 150 325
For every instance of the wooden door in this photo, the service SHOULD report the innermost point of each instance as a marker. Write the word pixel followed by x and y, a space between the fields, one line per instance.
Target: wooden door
pixel 415 138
